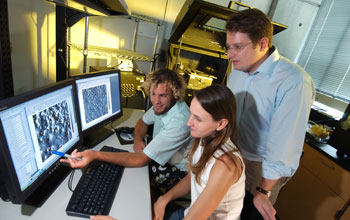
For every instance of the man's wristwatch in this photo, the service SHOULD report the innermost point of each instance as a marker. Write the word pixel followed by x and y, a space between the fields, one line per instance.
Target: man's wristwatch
pixel 263 191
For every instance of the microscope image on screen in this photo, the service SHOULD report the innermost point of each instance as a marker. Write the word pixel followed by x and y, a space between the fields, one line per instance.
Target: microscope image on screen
pixel 95 102
pixel 53 128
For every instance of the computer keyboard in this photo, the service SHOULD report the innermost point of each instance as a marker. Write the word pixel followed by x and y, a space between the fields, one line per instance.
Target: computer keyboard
pixel 96 189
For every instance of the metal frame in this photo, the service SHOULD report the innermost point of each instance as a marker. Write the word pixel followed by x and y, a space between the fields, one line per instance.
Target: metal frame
pixel 6 78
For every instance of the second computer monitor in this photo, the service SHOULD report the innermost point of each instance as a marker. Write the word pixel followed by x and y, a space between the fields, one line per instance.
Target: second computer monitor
pixel 99 97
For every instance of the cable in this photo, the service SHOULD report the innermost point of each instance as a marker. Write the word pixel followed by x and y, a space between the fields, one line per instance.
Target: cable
pixel 112 127
pixel 325 120
pixel 62 58
pixel 70 181
pixel 155 58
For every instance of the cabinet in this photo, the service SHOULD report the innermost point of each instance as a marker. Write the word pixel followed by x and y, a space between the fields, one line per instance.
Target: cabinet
pixel 318 190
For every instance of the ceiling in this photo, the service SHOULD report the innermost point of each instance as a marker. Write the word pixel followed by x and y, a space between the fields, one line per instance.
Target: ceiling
pixel 160 10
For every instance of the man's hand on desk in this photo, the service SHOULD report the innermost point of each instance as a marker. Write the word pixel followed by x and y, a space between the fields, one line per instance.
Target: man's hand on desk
pixel 139 145
pixel 86 157
pixel 101 217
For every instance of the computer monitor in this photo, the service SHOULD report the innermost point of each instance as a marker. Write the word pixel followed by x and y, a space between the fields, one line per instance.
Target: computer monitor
pixel 346 113
pixel 31 126
pixel 340 137
pixel 99 97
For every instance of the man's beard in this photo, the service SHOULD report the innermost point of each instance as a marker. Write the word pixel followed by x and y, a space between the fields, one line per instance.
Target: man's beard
pixel 166 109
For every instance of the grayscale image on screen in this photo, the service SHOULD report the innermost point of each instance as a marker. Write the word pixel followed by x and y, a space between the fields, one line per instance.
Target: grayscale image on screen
pixel 53 128
pixel 95 102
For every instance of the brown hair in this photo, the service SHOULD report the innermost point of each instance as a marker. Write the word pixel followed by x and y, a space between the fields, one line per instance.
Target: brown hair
pixel 220 103
pixel 252 22
pixel 173 79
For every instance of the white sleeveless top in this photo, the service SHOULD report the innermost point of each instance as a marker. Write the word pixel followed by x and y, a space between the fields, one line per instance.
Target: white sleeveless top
pixel 231 204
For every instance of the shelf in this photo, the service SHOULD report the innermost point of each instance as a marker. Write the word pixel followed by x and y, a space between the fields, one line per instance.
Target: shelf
pixel 112 52
pixel 138 17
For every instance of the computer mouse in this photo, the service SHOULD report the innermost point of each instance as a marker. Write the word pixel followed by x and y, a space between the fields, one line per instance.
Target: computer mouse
pixel 125 130
pixel 126 136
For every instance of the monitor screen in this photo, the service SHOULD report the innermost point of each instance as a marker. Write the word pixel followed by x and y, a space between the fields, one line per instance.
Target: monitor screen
pixel 32 125
pixel 340 137
pixel 99 97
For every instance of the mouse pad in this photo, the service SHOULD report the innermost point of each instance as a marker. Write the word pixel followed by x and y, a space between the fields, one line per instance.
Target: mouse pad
pixel 121 140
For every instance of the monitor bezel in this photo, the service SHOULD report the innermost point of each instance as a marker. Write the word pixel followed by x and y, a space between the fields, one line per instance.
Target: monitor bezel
pixel 106 121
pixel 346 112
pixel 10 181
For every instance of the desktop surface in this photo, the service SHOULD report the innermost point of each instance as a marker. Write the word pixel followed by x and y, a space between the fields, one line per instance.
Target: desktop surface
pixel 131 202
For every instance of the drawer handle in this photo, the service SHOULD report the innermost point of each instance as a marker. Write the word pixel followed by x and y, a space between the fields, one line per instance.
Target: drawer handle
pixel 327 165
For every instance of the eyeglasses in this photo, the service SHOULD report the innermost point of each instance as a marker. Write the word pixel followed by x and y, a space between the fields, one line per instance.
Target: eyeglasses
pixel 236 47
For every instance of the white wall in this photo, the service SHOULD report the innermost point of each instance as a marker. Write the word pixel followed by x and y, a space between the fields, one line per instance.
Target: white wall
pixel 174 7
pixel 32 36
pixel 115 32
pixel 298 15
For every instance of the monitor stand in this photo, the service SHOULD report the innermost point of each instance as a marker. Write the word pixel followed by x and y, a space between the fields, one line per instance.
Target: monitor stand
pixel 3 193
pixel 40 195
pixel 97 137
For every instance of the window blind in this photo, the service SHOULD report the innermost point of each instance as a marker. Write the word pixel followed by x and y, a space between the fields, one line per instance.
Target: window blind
pixel 326 55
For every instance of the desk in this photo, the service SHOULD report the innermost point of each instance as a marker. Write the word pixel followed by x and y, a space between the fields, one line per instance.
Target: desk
pixel 132 200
